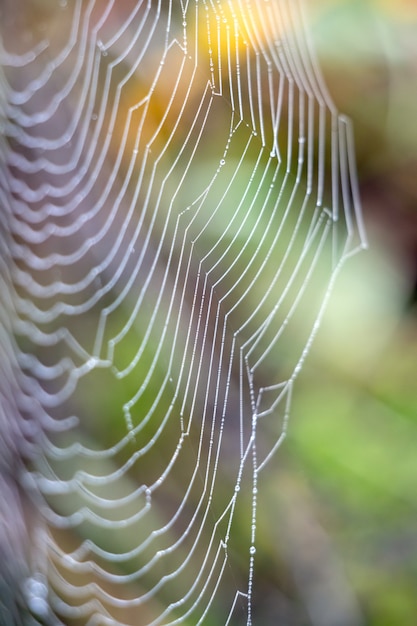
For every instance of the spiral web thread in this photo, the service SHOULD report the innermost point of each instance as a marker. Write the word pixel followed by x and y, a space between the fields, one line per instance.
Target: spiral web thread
pixel 177 194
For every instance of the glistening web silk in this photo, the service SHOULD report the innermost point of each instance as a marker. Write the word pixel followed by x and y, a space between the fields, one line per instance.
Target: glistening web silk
pixel 177 195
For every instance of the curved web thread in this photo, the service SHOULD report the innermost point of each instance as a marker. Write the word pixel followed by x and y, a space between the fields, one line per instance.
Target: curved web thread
pixel 168 246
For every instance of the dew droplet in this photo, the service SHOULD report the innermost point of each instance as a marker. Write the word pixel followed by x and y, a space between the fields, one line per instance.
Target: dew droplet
pixel 37 593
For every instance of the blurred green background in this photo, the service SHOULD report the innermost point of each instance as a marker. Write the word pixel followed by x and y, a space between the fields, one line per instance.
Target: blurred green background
pixel 348 508
pixel 336 538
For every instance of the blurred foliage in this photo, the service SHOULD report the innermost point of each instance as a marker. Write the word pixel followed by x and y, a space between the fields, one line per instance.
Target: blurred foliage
pixel 351 446
pixel 353 434
pixel 336 540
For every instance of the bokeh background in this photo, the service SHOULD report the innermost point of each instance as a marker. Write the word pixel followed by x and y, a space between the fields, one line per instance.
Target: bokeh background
pixel 344 525
pixel 336 539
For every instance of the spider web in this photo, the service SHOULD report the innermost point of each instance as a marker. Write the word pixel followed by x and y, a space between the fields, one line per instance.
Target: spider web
pixel 178 193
